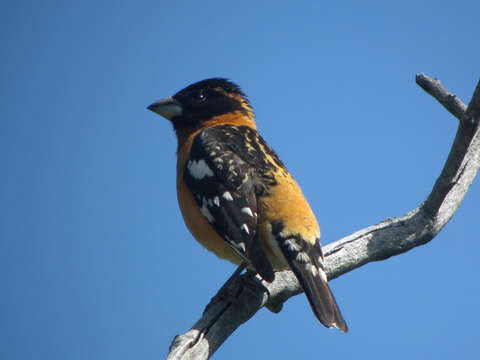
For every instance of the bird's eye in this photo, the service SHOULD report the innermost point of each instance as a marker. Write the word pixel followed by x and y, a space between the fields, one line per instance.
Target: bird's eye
pixel 201 96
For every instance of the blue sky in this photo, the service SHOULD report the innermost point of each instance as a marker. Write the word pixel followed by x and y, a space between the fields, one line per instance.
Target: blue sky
pixel 95 262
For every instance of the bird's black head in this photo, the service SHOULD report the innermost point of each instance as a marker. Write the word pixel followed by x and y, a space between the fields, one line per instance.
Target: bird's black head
pixel 203 101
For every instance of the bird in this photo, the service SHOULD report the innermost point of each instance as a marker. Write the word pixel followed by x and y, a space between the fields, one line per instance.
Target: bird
pixel 236 196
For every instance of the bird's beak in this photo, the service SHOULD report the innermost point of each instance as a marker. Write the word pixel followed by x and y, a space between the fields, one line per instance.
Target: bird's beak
pixel 167 107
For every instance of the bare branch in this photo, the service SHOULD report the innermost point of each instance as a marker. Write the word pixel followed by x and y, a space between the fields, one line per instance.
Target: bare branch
pixel 379 242
pixel 449 101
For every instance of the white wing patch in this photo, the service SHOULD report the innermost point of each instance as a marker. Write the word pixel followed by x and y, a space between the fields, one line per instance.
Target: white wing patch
pixel 303 257
pixel 227 196
pixel 313 269
pixel 244 227
pixel 247 211
pixel 323 275
pixel 292 245
pixel 204 210
pixel 199 169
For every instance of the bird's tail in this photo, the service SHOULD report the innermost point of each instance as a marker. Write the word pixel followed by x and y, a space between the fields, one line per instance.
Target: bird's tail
pixel 309 270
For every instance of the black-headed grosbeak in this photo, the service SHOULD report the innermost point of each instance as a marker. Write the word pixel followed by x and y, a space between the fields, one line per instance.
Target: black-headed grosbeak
pixel 236 196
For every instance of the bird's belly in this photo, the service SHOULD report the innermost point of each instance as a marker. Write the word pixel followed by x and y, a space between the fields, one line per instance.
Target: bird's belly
pixel 200 228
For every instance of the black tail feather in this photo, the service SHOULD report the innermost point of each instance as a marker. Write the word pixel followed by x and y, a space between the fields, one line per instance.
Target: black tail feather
pixel 306 262
pixel 321 298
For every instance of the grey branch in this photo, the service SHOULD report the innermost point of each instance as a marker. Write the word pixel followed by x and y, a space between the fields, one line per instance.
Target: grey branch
pixel 378 242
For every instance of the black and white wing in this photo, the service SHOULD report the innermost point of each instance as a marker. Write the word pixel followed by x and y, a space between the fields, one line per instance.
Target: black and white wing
pixel 223 186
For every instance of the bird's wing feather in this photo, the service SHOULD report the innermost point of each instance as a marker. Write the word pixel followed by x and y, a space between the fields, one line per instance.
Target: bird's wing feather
pixel 223 187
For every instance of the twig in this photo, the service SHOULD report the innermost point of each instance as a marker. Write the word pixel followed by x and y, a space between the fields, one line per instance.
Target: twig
pixel 449 101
